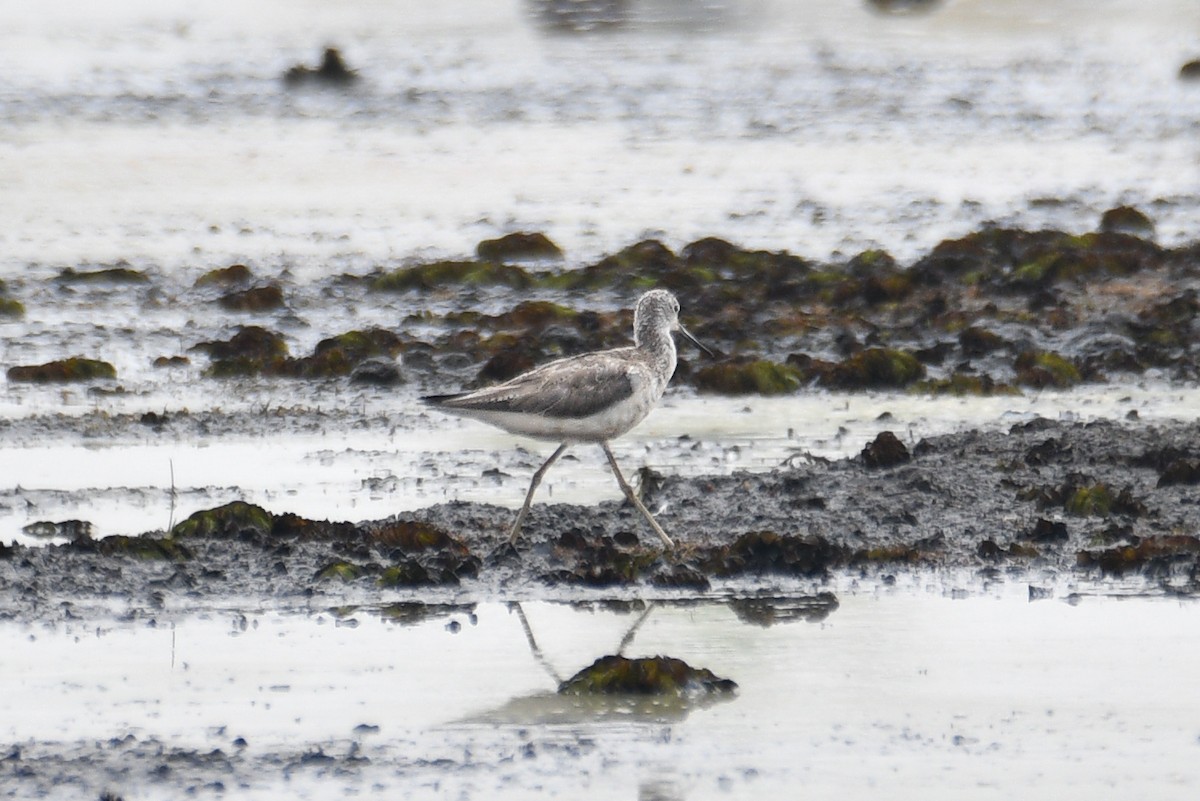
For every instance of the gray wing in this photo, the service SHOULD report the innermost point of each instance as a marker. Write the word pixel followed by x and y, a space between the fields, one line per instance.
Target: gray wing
pixel 575 387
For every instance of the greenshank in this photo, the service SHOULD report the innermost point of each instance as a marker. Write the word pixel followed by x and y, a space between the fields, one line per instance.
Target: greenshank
pixel 591 397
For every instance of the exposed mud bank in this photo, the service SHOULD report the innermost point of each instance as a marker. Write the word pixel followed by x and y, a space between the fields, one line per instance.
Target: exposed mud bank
pixel 1089 501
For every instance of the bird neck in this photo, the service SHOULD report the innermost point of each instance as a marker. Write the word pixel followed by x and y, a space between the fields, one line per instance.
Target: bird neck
pixel 660 345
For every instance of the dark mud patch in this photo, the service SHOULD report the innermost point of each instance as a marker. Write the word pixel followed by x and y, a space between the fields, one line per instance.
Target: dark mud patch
pixel 1077 501
pixel 132 766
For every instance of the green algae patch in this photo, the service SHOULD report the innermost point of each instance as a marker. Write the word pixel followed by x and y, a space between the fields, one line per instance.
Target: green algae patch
pixel 761 376
pixel 1043 369
pixel 339 570
pixel 1095 500
pixel 659 675
pixel 873 368
pixel 520 246
pixel 638 267
pixel 453 273
pixel 233 275
pixel 110 275
pixel 236 519
pixel 409 573
pixel 412 536
pixel 63 371
pixel 339 355
pixel 144 548
pixel 11 307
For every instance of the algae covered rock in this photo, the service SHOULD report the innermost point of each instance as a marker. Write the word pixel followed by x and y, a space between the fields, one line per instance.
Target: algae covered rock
pixel 377 371
pixel 874 368
pixel 659 675
pixel 261 298
pixel 638 267
pixel 1180 472
pixel 340 355
pixel 411 536
pixel 1126 220
pixel 63 371
pixel 1042 370
pixel 250 351
pixel 10 307
pixel 520 246
pixel 231 276
pixel 759 376
pixel 66 529
pixel 440 274
pixel 146 548
pixel 339 570
pixel 107 275
pixel 235 519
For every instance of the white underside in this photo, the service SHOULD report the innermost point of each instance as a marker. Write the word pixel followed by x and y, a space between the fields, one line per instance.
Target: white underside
pixel 612 422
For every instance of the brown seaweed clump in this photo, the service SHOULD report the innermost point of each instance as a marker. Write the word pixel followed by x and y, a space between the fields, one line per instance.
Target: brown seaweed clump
pixel 259 298
pixel 9 306
pixel 250 351
pixel 254 350
pixel 231 276
pixel 520 246
pixel 394 554
pixel 1152 556
pixel 75 369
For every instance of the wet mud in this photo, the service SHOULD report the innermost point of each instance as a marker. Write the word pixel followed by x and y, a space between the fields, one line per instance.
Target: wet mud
pixel 1044 501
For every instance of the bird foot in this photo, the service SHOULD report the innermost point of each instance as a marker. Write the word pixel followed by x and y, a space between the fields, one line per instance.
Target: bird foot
pixel 505 553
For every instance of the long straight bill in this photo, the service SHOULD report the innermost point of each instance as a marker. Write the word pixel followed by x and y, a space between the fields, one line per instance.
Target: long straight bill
pixel 688 336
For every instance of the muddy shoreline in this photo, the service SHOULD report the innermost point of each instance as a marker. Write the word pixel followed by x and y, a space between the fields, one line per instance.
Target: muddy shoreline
pixel 1046 502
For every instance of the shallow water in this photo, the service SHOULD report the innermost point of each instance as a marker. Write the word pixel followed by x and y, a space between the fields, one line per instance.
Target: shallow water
pixel 339 467
pixel 160 134
pixel 163 131
pixel 903 691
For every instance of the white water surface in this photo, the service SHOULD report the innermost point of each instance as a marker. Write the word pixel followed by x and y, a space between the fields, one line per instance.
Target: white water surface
pixel 163 131
pixel 901 692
